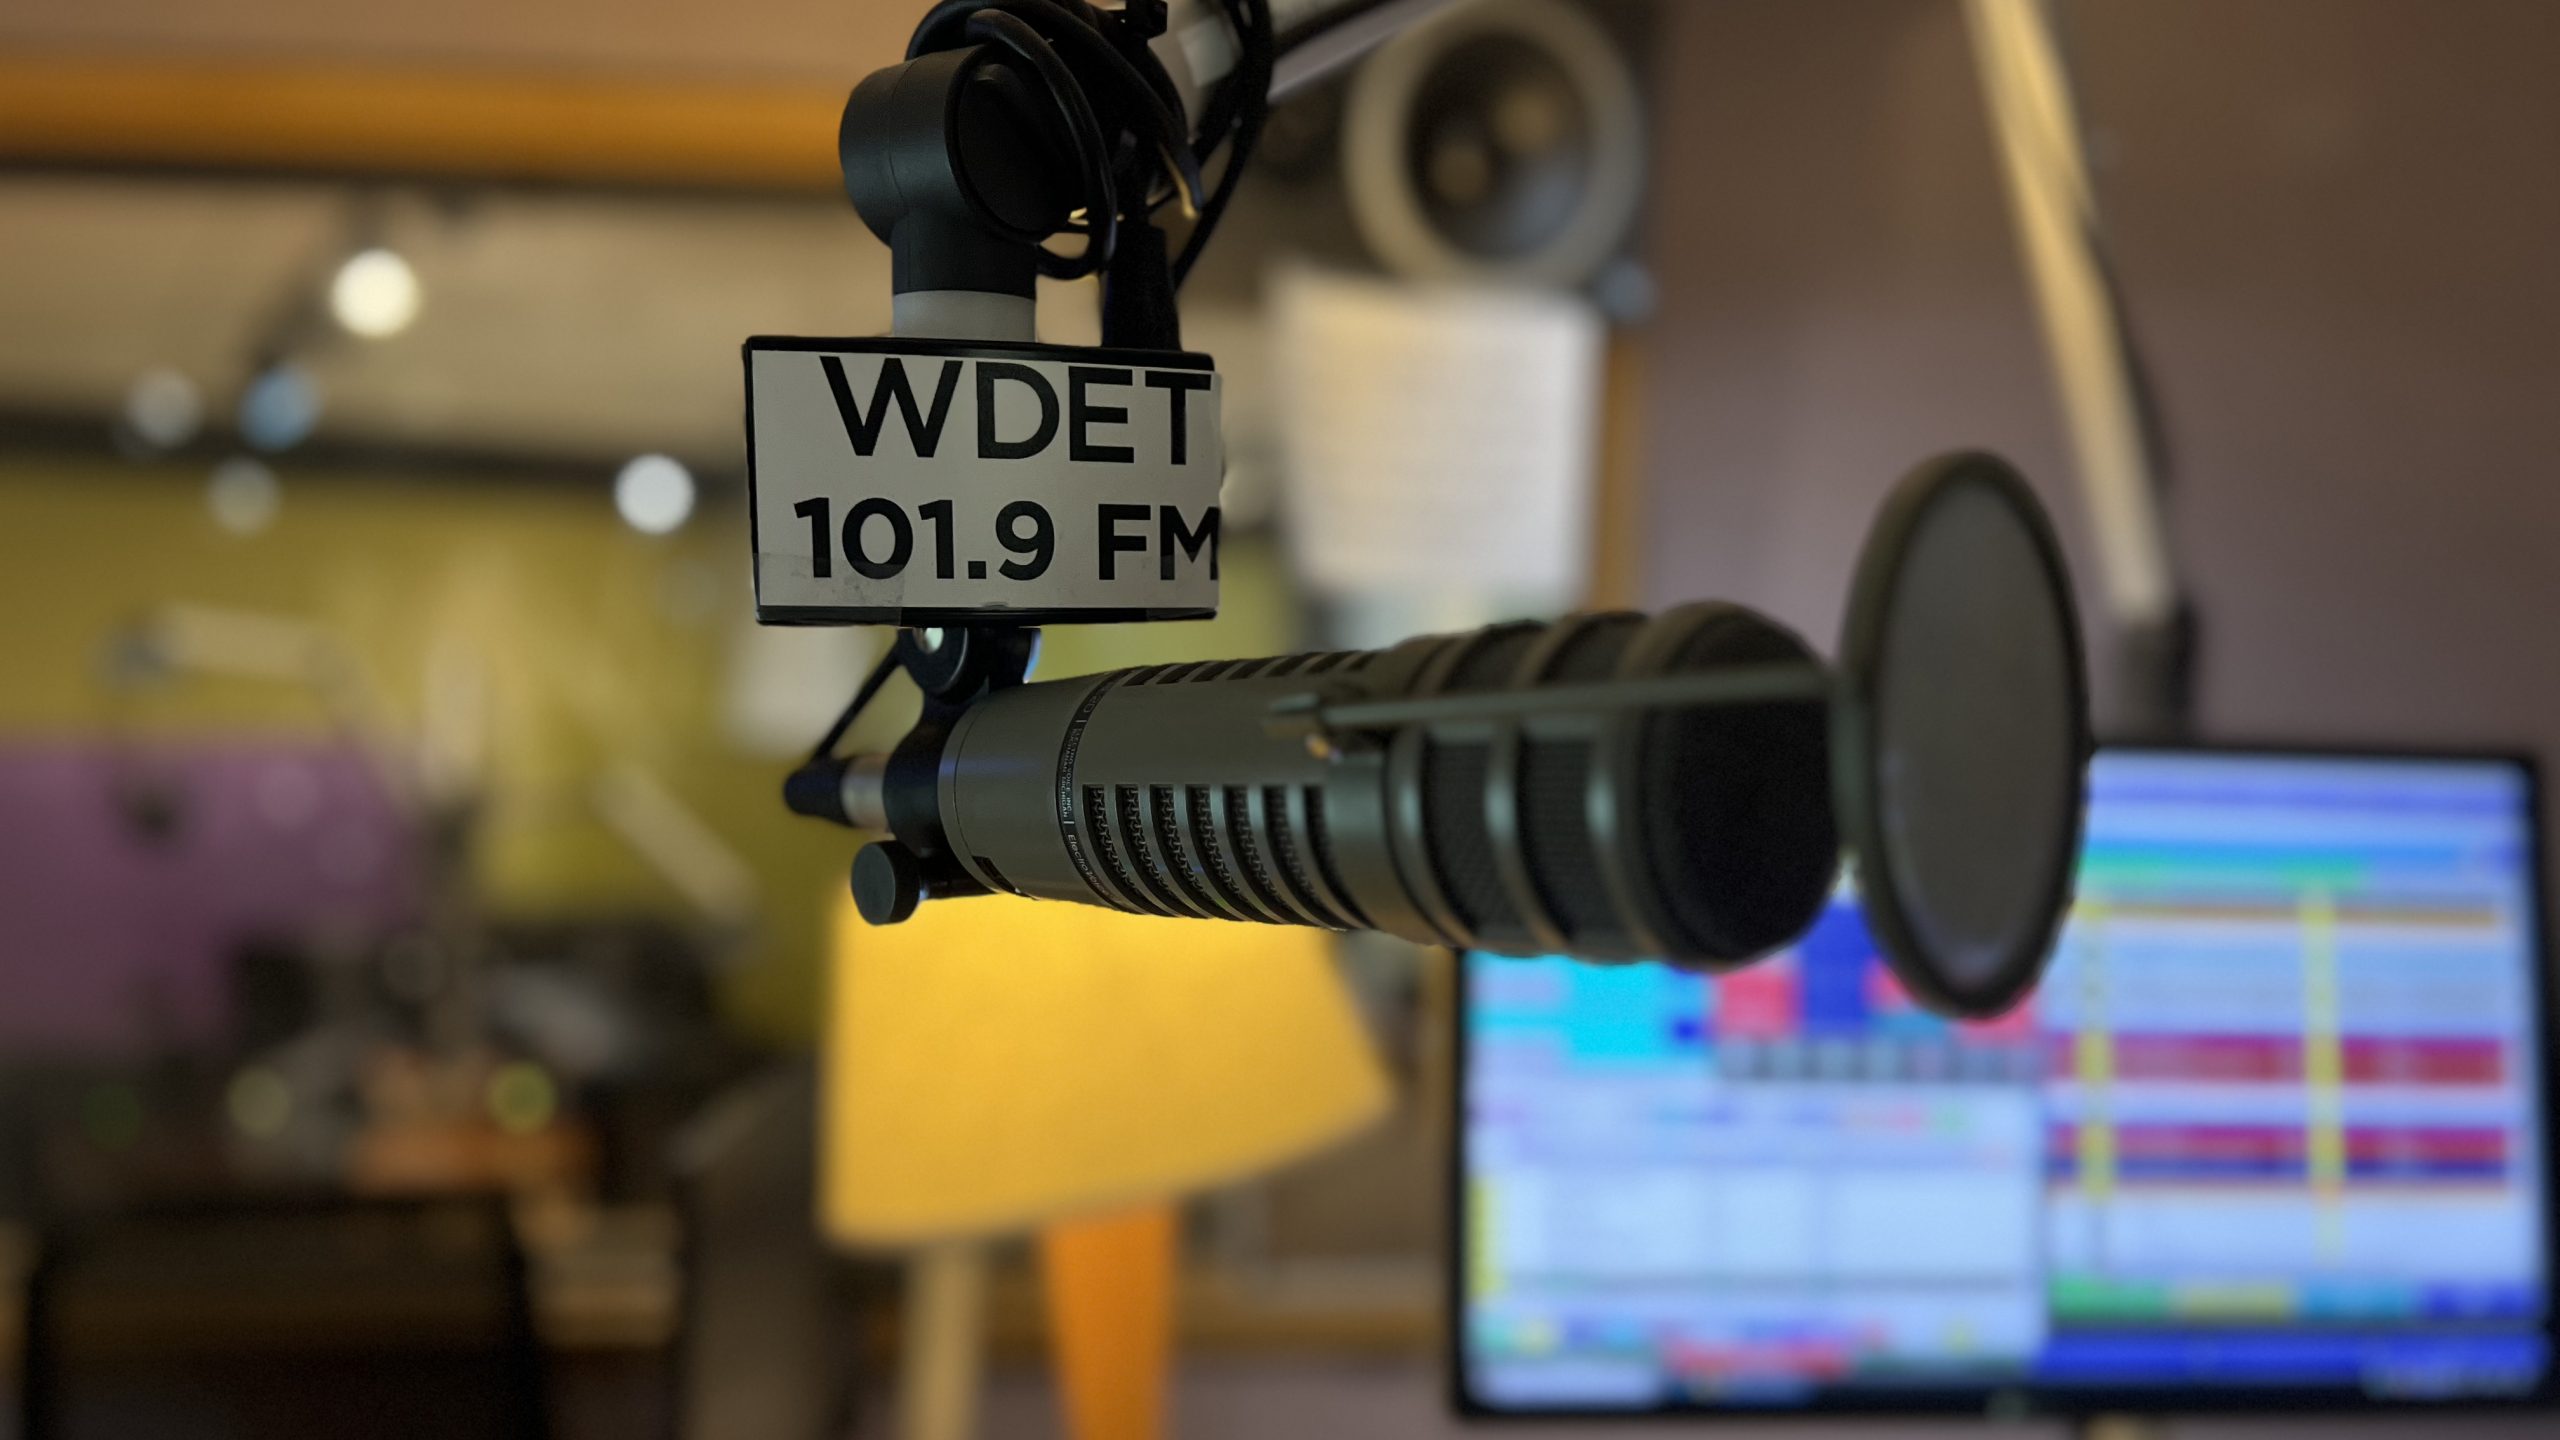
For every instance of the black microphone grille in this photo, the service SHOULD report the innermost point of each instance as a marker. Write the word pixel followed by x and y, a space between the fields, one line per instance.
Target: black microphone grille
pixel 1696 834
pixel 1699 834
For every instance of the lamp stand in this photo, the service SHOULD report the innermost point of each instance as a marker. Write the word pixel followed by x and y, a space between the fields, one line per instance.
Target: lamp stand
pixel 945 1324
pixel 2121 1427
pixel 1110 1291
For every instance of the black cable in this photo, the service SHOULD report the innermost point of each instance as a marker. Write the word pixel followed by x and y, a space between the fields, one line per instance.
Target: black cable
pixel 1218 114
pixel 1100 188
pixel 2150 420
pixel 1095 63
pixel 1146 89
pixel 1250 81
pixel 1123 116
pixel 2163 667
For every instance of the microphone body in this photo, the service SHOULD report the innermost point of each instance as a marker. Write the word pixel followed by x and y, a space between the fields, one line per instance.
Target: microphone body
pixel 1702 835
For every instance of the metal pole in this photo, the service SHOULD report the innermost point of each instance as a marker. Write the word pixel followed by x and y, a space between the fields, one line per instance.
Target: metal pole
pixel 2038 136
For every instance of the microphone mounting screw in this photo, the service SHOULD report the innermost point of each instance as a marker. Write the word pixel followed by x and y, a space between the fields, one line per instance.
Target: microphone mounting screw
pixel 888 883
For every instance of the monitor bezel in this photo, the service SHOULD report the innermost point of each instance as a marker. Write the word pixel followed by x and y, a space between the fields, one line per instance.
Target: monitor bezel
pixel 2024 1400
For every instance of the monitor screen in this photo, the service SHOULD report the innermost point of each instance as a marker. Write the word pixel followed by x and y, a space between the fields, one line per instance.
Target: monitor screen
pixel 2269 1132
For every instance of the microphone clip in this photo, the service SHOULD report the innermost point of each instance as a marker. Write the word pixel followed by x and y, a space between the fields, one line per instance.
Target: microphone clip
pixel 954 666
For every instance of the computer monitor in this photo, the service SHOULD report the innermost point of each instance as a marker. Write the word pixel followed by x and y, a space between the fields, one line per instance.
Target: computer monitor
pixel 2272 1132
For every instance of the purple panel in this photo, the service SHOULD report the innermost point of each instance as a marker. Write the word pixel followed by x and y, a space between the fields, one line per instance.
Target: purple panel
pixel 113 943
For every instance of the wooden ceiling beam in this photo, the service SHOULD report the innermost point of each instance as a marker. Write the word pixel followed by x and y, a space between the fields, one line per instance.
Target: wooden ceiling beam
pixel 416 122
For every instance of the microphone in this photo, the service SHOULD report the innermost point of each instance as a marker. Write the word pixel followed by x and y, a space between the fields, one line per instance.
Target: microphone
pixel 1700 835
pixel 1605 786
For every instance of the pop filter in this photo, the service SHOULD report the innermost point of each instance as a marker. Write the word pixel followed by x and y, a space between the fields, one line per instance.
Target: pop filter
pixel 1960 734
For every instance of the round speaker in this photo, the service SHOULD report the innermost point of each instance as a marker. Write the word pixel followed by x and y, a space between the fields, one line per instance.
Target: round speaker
pixel 1498 141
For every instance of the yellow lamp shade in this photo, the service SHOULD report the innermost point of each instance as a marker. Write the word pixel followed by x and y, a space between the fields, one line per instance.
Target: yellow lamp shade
pixel 996 1062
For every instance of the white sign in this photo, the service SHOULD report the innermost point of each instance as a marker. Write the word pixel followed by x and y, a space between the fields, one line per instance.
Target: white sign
pixel 911 482
pixel 1440 440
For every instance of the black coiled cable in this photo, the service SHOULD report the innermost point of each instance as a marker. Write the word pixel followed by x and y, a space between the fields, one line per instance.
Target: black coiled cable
pixel 1132 147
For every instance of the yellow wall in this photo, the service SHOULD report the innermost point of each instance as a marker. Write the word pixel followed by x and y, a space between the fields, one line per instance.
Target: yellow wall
pixel 597 646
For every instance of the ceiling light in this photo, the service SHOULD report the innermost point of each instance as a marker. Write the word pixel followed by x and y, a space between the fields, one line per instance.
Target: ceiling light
pixel 654 494
pixel 280 408
pixel 244 495
pixel 163 408
pixel 375 293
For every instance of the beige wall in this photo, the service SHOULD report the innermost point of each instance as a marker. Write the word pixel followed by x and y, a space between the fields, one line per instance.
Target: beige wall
pixel 2339 225
pixel 584 648
pixel 1838 297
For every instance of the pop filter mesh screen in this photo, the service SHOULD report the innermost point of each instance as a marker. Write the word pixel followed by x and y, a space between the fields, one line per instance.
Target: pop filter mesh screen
pixel 1977 739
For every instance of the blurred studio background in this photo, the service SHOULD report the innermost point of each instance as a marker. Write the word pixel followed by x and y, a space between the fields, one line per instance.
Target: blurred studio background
pixel 419 1017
